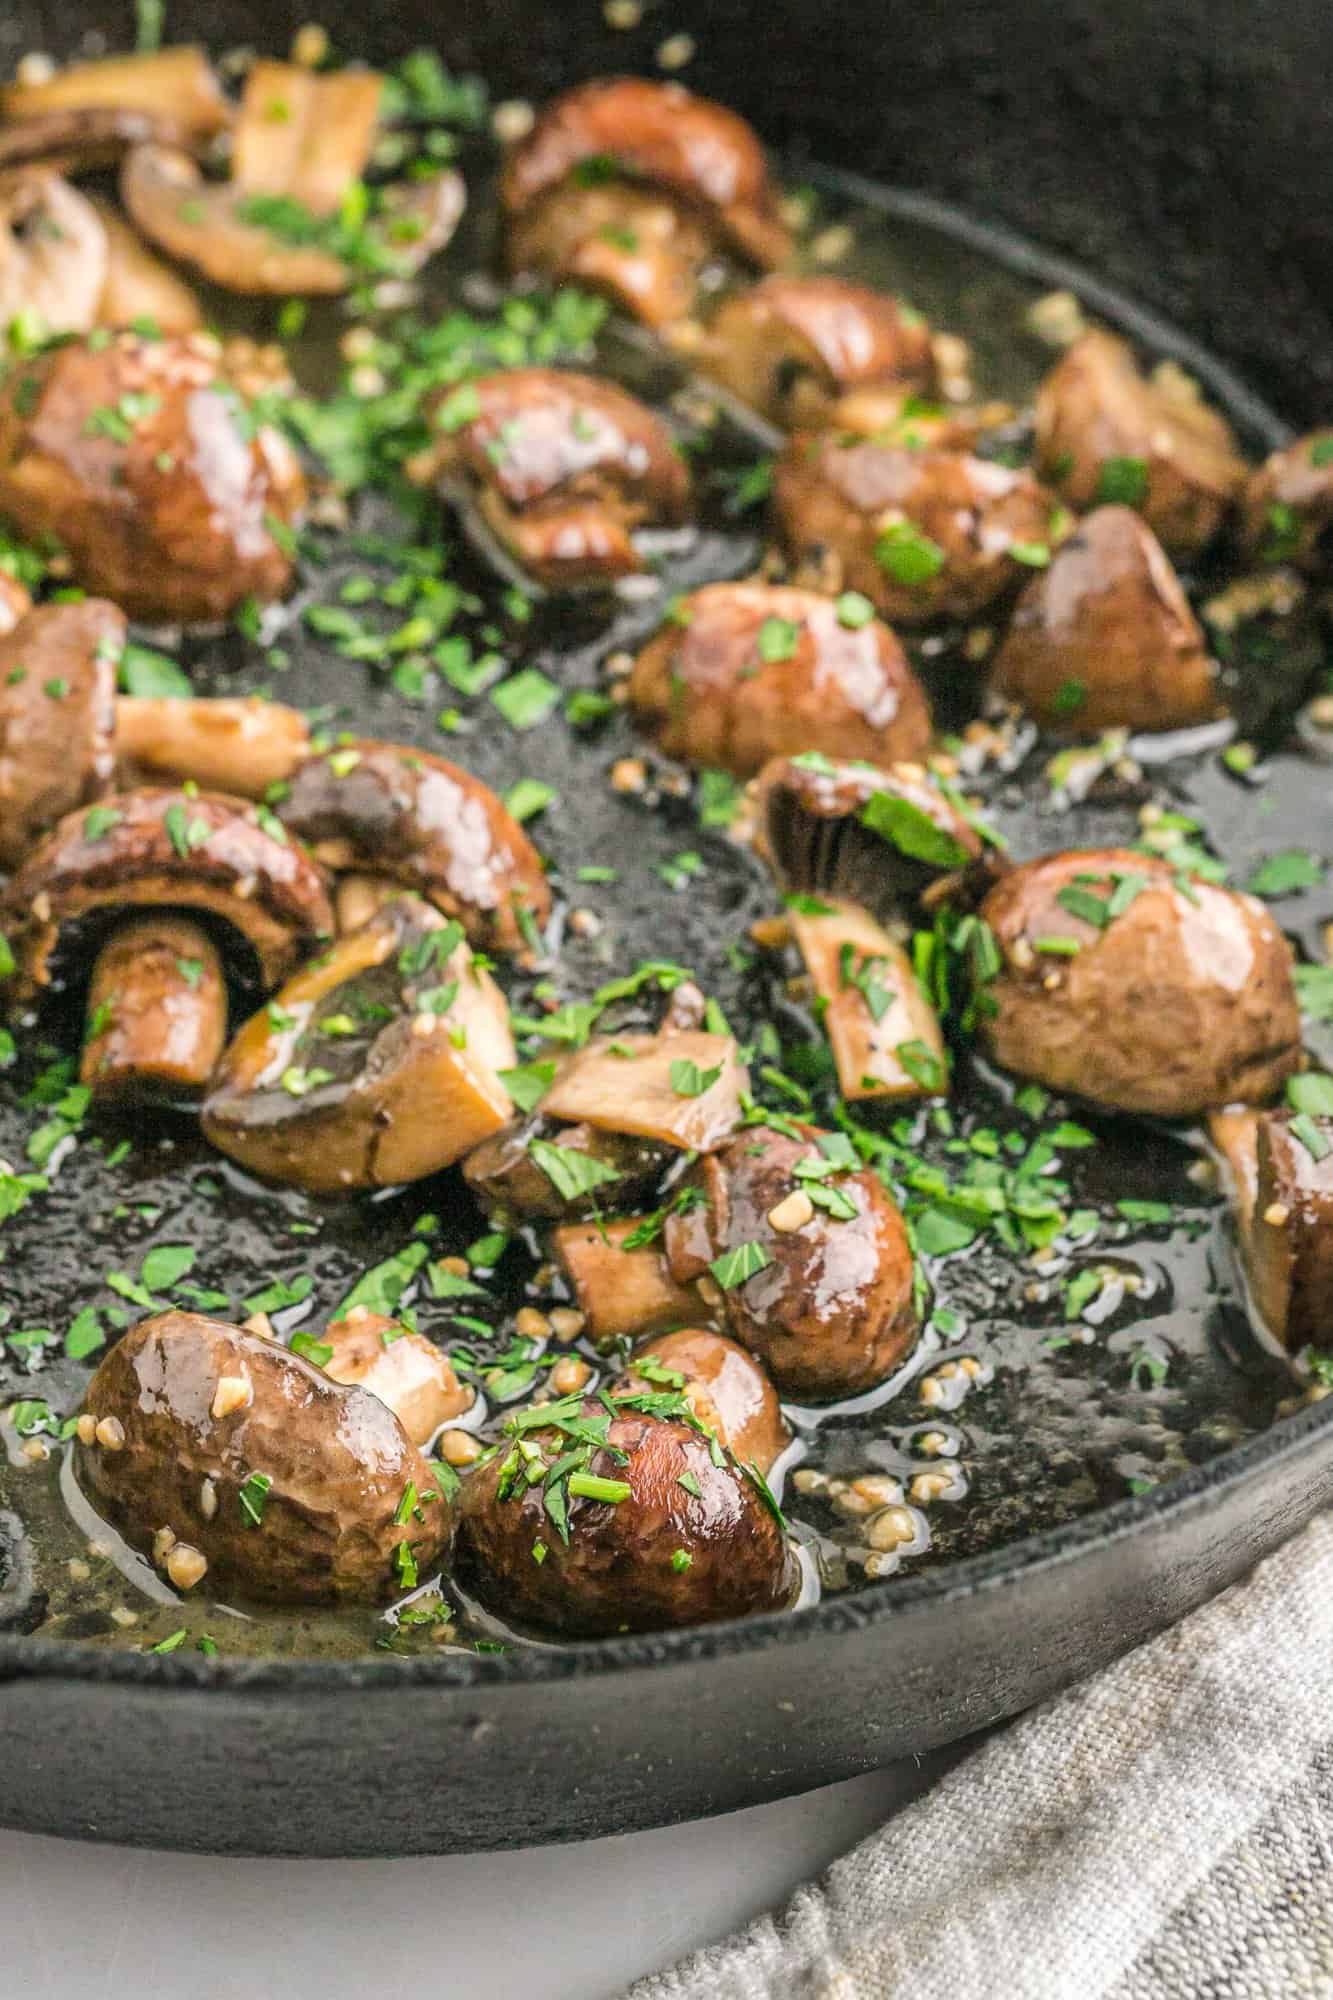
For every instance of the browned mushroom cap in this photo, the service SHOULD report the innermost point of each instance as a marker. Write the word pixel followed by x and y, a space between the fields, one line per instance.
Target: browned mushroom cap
pixel 922 533
pixel 561 467
pixel 157 1011
pixel 747 671
pixel 789 346
pixel 305 135
pixel 1105 432
pixel 138 458
pixel 637 246
pixel 650 1533
pixel 196 851
pixel 57 712
pixel 1105 637
pixel 1287 505
pixel 53 252
pixel 140 289
pixel 291 1486
pixel 402 1368
pixel 15 602
pixel 418 820
pixel 236 744
pixel 506 1176
pixel 1127 984
pixel 1288 1241
pixel 241 241
pixel 177 85
pixel 377 1064
pixel 724 1386
pixel 629 128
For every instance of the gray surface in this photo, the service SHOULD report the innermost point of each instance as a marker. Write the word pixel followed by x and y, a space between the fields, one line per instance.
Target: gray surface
pixel 562 1923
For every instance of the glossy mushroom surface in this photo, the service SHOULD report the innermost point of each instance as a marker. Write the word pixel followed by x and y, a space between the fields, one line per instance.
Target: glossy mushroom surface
pixel 404 1369
pixel 724 1386
pixel 236 744
pixel 1141 989
pixel 156 1013
pixel 790 346
pixel 57 715
pixel 287 1484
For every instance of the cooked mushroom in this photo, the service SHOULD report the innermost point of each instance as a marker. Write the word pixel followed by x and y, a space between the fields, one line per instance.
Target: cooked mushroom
pixel 507 1177
pixel 15 602
pixel 137 456
pixel 585 1522
pixel 57 714
pixel 402 1368
pixel 78 142
pixel 293 1488
pixel 53 253
pixel 1131 984
pixel 895 416
pixel 1106 433
pixel 178 85
pixel 922 533
pixel 157 1011
pixel 1105 637
pixel 167 849
pixel 1288 1238
pixel 786 1242
pixel 236 744
pixel 742 672
pixel 724 1386
pixel 1287 506
pixel 631 185
pixel 790 346
pixel 561 468
pixel 140 289
pixel 376 1064
pixel 415 819
pixel 885 1035
pixel 305 135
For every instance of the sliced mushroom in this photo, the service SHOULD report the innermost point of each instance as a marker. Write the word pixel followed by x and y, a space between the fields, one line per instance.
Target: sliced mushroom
pixel 303 134
pixel 157 1011
pixel 57 714
pixel 1107 433
pixel 377 1064
pixel 1287 506
pixel 174 849
pixel 885 1036
pixel 562 468
pixel 681 1090
pixel 412 818
pixel 138 457
pixel 1105 637
pixel 140 289
pixel 1131 984
pixel 402 1368
pixel 724 1386
pixel 236 744
pixel 1288 1242
pixel 790 346
pixel 53 253
pixel 742 672
pixel 922 533
pixel 177 84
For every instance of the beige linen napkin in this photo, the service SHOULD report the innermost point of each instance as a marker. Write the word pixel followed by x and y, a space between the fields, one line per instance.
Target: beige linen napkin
pixel 1162 1832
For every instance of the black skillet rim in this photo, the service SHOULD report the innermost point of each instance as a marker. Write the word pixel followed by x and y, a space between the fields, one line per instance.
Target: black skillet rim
pixel 1290 1437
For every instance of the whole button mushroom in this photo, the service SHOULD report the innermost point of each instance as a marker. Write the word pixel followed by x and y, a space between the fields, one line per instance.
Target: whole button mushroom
pixel 921 532
pixel 408 817
pixel 291 1488
pixel 560 468
pixel 377 1064
pixel 402 1368
pixel 742 672
pixel 723 1384
pixel 632 185
pixel 585 1522
pixel 790 346
pixel 138 458
pixel 1105 638
pixel 1107 433
pixel 1139 988
pixel 1287 506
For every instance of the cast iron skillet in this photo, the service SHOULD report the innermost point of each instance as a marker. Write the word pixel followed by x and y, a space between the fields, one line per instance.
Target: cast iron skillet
pixel 1167 142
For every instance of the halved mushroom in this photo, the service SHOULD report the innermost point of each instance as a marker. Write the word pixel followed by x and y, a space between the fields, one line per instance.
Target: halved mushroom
pixel 157 1011
pixel 53 253
pixel 785 1241
pixel 305 135
pixel 236 744
pixel 742 672
pixel 1131 984
pixel 281 1485
pixel 138 457
pixel 167 849
pixel 1287 506
pixel 724 1386
pixel 1106 433
pixel 177 84
pixel 922 533
pixel 412 818
pixel 377 1064
pixel 1288 1238
pixel 790 346
pixel 1105 637
pixel 140 289
pixel 57 714
pixel 402 1368
pixel 631 184
pixel 562 468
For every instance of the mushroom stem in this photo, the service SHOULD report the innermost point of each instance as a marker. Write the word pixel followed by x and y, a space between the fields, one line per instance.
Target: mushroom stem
pixel 177 84
pixel 242 746
pixel 157 1011
pixel 304 135
pixel 885 1036
pixel 359 898
pixel 622 1291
